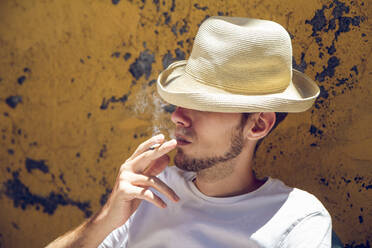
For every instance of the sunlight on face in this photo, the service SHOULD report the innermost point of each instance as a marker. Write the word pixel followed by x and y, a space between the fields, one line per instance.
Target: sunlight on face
pixel 190 163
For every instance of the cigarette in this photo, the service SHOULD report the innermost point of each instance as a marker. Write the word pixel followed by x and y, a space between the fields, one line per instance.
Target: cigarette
pixel 153 147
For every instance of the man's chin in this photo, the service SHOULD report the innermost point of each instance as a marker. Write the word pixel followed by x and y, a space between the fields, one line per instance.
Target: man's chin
pixel 181 162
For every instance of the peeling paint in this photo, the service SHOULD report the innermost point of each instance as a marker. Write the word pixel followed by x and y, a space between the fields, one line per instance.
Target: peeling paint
pixel 142 65
pixel 197 6
pixel 36 165
pixel 22 197
pixel 13 101
pixel 105 103
pixel 21 79
pixel 328 71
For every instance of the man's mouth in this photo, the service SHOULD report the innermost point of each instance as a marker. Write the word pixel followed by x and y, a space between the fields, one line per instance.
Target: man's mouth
pixel 182 141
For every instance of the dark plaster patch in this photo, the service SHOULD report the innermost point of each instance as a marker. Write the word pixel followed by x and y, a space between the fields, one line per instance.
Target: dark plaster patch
pixel 89 115
pixel 15 225
pixel 318 22
pixel 34 164
pixel 13 101
pixel 361 245
pixel 174 29
pixel 360 219
pixel 347 181
pixel 344 24
pixel 328 71
pixel 157 4
pixel 341 81
pixel 115 55
pixel 324 181
pixel 11 151
pixel 82 61
pixel 355 69
pixel 323 93
pixel 26 69
pixel 22 197
pixel 180 43
pixel 78 154
pixel 173 5
pixel 169 59
pixel 105 103
pixel 103 151
pixel 21 79
pixel 331 50
pixel 302 66
pixel 151 82
pixel 315 131
pixel 197 6
pixel 115 2
pixel 167 18
pixel 104 197
pixel 184 28
pixel 61 177
pixel 142 65
pixel 127 56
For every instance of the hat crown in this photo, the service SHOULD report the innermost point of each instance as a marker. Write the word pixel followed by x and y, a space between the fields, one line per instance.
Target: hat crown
pixel 242 55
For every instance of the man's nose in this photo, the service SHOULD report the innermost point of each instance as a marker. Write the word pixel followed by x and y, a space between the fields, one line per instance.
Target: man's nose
pixel 181 117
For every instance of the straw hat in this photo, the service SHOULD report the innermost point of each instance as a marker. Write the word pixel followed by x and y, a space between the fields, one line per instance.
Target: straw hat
pixel 238 65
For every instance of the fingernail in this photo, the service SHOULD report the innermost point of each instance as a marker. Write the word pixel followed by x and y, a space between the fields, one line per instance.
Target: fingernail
pixel 159 137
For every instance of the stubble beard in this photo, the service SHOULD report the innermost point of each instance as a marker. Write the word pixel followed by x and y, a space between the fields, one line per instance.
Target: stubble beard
pixel 188 163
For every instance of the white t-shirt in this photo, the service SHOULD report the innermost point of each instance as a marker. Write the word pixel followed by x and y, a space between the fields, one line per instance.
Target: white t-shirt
pixel 274 215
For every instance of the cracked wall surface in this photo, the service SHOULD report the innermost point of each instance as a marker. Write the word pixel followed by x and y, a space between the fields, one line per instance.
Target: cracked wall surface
pixel 77 96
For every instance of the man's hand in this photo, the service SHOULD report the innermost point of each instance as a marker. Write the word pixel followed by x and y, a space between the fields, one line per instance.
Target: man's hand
pixel 135 177
pixel 132 185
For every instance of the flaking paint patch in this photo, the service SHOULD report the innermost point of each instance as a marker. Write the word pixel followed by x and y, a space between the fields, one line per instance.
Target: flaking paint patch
pixel 169 59
pixel 22 197
pixel 21 79
pixel 142 65
pixel 328 71
pixel 36 164
pixel 302 65
pixel 105 102
pixel 197 6
pixel 13 101
pixel 360 245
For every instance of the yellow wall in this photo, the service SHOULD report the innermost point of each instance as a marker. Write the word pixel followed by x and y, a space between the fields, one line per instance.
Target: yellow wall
pixel 76 86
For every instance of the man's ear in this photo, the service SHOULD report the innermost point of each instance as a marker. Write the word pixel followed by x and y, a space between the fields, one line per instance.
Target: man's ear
pixel 261 125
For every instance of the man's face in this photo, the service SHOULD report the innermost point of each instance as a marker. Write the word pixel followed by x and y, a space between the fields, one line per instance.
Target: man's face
pixel 206 138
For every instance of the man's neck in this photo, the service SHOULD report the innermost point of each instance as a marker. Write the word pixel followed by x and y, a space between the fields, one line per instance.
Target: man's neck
pixel 233 178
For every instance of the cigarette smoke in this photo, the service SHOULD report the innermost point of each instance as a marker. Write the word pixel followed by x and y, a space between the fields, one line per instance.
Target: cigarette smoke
pixel 151 107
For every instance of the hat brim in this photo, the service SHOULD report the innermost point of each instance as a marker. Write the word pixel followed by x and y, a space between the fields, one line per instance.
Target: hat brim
pixel 179 88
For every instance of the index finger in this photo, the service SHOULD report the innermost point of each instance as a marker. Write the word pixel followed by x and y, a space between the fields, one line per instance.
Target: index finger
pixel 157 139
pixel 142 161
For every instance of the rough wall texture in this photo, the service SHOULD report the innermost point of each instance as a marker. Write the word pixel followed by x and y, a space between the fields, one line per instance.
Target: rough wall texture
pixel 76 98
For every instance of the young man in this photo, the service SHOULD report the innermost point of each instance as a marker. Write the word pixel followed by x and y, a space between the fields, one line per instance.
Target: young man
pixel 238 75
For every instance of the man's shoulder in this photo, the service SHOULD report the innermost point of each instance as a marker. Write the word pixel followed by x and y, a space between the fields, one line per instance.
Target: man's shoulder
pixel 302 201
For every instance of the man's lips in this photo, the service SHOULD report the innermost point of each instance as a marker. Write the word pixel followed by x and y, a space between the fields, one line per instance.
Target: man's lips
pixel 182 140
